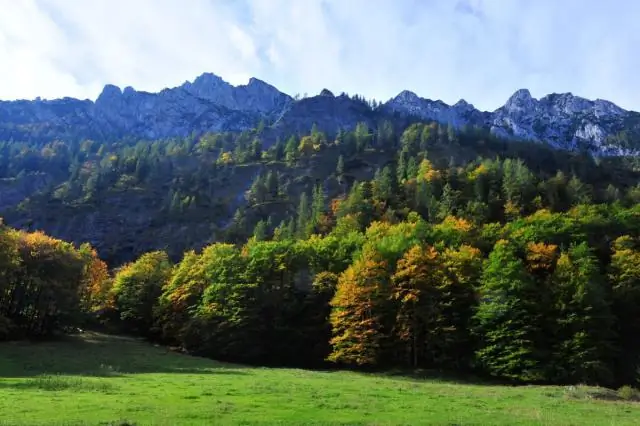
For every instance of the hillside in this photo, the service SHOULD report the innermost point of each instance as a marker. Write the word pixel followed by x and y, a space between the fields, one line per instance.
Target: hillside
pixel 131 196
pixel 100 379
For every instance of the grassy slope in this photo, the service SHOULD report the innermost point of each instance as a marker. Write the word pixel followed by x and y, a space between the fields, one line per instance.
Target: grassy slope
pixel 97 379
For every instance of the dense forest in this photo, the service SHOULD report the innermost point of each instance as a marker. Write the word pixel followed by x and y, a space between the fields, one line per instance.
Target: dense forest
pixel 412 246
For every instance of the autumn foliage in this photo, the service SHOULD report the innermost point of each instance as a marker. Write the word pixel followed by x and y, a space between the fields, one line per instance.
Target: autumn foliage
pixel 45 284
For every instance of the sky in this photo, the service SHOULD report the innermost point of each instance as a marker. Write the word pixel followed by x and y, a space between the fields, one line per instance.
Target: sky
pixel 479 50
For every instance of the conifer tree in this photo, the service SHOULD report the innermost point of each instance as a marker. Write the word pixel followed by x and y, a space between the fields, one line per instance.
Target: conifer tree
pixel 303 216
pixel 260 231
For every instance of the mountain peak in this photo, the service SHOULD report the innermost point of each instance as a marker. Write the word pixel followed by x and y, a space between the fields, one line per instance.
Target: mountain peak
pixel 462 104
pixel 521 100
pixel 257 82
pixel 407 95
pixel 109 93
pixel 521 95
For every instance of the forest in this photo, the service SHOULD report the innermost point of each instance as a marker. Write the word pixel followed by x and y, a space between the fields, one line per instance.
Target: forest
pixel 410 247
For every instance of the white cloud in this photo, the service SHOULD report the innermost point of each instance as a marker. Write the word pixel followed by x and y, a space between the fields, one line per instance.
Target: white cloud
pixel 482 50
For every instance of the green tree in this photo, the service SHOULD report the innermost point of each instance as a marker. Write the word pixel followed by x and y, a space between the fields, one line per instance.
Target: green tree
pixel 583 345
pixel 260 231
pixel 137 287
pixel 624 276
pixel 508 324
pixel 303 216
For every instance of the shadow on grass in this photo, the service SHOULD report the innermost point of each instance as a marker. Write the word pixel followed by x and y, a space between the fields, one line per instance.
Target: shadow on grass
pixel 458 378
pixel 59 383
pixel 101 355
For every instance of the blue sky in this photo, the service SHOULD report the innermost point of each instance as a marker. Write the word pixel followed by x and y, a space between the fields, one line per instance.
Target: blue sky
pixel 479 50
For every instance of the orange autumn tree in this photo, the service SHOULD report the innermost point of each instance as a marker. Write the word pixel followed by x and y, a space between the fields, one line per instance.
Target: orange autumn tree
pixel 360 312
pixel 96 282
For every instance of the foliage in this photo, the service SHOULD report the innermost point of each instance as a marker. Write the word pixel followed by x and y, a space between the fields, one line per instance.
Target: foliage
pixel 394 244
pixel 44 283
pixel 137 287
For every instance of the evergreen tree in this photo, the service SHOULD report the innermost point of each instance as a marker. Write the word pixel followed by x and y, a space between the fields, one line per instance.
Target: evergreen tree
pixel 303 216
pixel 271 184
pixel 318 207
pixel 260 231
pixel 340 166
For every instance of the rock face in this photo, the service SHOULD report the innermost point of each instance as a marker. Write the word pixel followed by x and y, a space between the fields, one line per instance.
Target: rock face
pixel 563 120
pixel 210 104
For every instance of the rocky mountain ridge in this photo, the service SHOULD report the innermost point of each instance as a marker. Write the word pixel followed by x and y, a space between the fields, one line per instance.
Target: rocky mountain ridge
pixel 210 104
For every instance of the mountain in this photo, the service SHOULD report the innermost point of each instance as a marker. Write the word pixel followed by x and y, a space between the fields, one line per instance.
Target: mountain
pixel 206 104
pixel 210 104
pixel 563 120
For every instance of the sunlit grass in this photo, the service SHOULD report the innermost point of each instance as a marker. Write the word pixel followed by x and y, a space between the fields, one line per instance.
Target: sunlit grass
pixel 98 379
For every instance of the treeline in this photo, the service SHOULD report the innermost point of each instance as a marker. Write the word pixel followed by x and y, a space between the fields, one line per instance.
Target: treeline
pixel 551 297
pixel 46 285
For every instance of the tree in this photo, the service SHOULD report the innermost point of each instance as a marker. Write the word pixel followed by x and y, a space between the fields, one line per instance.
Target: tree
pixel 340 166
pixel 260 231
pixel 307 147
pixel 385 135
pixel 359 312
pixel 362 137
pixel 272 184
pixel 518 184
pixel 624 276
pixel 318 207
pixel 416 288
pixel 303 216
pixel 508 324
pixel 258 191
pixel 291 150
pixel 384 185
pixel 578 192
pixel 137 287
pixel 583 344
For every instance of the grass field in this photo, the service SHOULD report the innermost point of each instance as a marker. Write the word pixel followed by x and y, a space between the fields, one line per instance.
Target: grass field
pixel 99 379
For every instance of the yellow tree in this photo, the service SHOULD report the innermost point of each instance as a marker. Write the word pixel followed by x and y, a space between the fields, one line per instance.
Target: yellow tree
pixel 359 312
pixel 416 288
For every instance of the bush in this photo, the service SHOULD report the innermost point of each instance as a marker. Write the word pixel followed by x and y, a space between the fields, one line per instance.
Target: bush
pixel 629 393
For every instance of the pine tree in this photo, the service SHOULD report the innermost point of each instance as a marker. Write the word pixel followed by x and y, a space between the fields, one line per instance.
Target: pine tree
pixel 303 216
pixel 260 231
pixel 318 207
pixel 340 166
pixel 271 184
pixel 291 150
